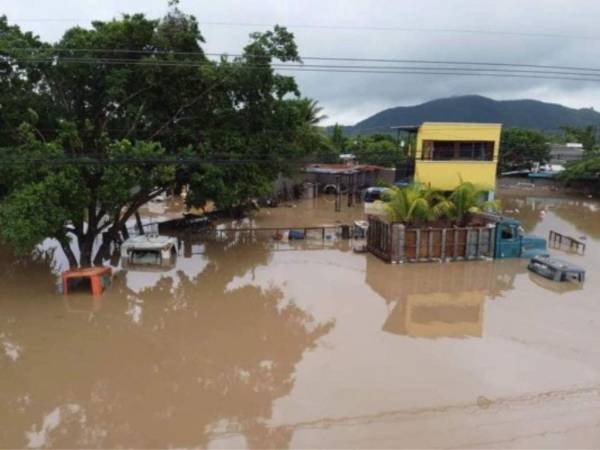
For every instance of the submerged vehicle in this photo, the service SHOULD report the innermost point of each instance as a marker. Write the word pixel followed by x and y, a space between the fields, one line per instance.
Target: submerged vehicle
pixel 375 193
pixel 556 270
pixel 485 236
pixel 149 250
pixel 510 240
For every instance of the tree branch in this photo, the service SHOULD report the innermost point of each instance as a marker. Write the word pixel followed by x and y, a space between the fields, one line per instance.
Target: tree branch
pixel 136 119
pixel 124 102
pixel 184 107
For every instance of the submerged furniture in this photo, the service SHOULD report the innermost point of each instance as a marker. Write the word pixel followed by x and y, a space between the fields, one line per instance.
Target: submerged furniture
pixel 149 249
pixel 359 236
pixel 556 269
pixel 296 235
pixel 98 278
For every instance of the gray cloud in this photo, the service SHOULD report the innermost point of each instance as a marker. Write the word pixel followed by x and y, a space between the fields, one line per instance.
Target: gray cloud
pixel 349 97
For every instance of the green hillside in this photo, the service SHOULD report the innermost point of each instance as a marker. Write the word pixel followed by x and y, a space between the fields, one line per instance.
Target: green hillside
pixel 475 108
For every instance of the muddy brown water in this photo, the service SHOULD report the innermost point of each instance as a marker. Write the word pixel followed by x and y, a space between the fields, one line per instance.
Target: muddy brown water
pixel 250 344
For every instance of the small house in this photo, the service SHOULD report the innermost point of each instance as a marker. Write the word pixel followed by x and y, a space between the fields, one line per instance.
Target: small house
pixel 360 176
pixel 442 155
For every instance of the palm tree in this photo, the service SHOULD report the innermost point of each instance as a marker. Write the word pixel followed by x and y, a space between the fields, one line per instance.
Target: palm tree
pixel 414 203
pixel 417 203
pixel 468 198
pixel 311 111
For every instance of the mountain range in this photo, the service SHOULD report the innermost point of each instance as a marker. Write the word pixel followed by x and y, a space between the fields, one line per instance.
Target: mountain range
pixel 475 108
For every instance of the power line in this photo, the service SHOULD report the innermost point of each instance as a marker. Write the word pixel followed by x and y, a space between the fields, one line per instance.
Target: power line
pixel 148 62
pixel 315 58
pixel 456 71
pixel 527 34
pixel 408 29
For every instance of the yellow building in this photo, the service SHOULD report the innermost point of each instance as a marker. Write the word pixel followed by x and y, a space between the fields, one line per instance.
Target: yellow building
pixel 447 153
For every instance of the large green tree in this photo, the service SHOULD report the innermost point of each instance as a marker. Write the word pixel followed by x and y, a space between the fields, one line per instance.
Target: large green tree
pixel 587 136
pixel 520 148
pixel 98 124
pixel 586 171
pixel 380 149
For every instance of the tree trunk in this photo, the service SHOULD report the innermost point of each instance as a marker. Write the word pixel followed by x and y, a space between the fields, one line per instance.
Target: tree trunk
pixel 138 221
pixel 86 246
pixel 103 252
pixel 66 247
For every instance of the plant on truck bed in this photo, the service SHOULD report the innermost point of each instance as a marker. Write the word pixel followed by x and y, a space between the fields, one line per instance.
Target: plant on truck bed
pixel 420 205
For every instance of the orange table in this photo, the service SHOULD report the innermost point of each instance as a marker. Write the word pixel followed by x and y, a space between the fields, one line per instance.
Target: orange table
pixel 95 274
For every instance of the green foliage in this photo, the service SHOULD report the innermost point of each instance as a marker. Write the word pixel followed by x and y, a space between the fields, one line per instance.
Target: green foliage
pixel 408 204
pixel 379 149
pixel 420 204
pixel 530 114
pixel 125 125
pixel 585 170
pixel 468 198
pixel 587 136
pixel 520 148
pixel 337 138
pixel 42 209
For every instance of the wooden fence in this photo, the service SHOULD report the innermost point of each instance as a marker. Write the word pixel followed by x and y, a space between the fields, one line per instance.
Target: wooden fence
pixel 393 242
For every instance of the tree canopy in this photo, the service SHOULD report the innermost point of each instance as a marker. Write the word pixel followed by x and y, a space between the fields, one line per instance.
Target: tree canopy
pixel 587 136
pixel 587 170
pixel 380 149
pixel 106 119
pixel 520 148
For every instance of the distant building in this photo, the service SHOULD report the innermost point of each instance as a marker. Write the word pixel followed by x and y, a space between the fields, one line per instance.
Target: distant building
pixel 562 154
pixel 444 154
pixel 361 175
pixel 348 158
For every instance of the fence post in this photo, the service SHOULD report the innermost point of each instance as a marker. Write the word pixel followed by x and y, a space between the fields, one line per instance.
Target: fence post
pixel 417 243
pixel 393 240
pixel 443 248
pixel 401 243
pixel 455 243
pixel 430 245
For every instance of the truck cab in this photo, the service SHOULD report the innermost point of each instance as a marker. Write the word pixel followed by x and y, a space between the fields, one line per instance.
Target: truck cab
pixel 512 242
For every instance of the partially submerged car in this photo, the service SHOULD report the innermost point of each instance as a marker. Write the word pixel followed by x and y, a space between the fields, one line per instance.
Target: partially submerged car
pixel 556 269
pixel 149 250
pixel 375 193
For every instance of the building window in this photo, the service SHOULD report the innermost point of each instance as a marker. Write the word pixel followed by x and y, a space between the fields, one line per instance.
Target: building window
pixel 458 150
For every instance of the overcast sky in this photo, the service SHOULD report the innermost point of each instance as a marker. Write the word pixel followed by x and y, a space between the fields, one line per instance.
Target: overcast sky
pixel 552 32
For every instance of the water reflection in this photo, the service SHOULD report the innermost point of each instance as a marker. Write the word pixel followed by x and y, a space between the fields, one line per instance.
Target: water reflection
pixel 531 211
pixel 559 288
pixel 198 354
pixel 198 359
pixel 440 300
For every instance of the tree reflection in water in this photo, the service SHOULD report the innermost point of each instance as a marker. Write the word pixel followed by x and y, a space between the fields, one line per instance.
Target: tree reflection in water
pixel 203 359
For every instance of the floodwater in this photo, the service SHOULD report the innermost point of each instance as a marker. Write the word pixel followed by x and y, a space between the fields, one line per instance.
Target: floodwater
pixel 250 344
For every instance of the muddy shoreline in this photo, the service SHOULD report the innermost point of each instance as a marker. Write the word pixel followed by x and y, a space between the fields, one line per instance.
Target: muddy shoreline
pixel 521 186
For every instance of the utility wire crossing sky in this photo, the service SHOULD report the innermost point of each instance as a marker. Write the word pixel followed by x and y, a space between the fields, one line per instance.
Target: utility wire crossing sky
pixel 395 53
